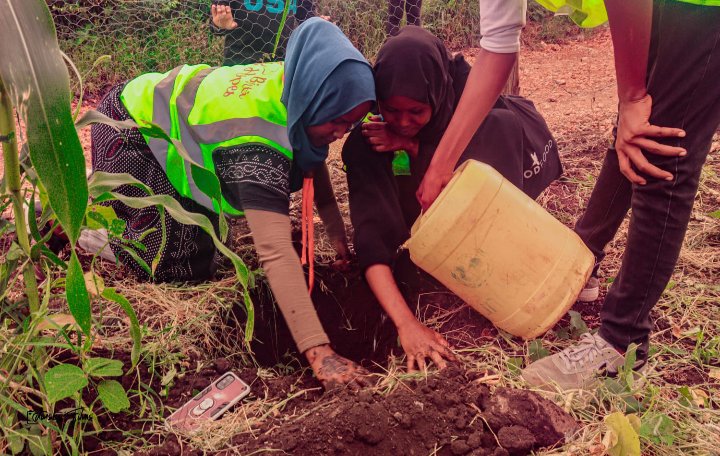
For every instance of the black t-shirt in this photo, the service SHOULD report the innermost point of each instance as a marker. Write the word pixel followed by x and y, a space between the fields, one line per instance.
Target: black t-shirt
pixel 258 21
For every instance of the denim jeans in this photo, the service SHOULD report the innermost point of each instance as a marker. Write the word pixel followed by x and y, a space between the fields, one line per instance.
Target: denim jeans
pixel 684 82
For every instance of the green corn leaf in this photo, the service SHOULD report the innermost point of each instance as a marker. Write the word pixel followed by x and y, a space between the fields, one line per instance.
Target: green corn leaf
pixel 77 295
pixel 63 381
pixel 112 295
pixel 176 211
pixel 113 396
pixel 142 263
pixel 101 182
pixel 205 179
pixel 286 9
pixel 36 78
pixel 93 116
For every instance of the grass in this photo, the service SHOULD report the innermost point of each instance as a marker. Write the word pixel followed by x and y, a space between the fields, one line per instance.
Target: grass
pixel 141 36
pixel 678 403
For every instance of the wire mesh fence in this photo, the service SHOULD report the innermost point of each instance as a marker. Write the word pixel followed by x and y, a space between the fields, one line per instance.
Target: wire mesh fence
pixel 156 35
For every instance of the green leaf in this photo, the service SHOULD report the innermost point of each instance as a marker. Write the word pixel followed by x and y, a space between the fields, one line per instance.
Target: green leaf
pixel 103 367
pixel 627 371
pixel 142 263
pixel 536 350
pixel 93 116
pixel 205 179
pixel 113 396
pixel 99 216
pixel 624 440
pixel 40 445
pixel 715 214
pixel 514 364
pixel 101 183
pixel 38 83
pixel 77 295
pixel 177 212
pixel 16 443
pixel 250 309
pixel 577 324
pixel 63 381
pixel 658 428
pixel 169 376
pixel 112 295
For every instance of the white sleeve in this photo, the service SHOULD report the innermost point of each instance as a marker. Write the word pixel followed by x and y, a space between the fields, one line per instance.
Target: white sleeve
pixel 501 22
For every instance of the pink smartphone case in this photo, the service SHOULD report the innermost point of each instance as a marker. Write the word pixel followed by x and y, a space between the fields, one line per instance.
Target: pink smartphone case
pixel 210 403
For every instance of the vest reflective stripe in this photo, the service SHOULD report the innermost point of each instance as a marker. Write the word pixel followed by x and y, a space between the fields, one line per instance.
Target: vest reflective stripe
pixel 185 101
pixel 161 116
pixel 215 120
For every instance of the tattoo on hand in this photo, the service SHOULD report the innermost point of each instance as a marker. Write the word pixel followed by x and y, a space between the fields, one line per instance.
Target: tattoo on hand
pixel 334 365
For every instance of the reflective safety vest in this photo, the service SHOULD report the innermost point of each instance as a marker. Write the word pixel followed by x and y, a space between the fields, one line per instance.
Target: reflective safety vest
pixel 591 13
pixel 206 109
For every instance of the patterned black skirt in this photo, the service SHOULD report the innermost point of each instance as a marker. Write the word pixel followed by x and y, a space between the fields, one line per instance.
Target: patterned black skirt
pixel 189 253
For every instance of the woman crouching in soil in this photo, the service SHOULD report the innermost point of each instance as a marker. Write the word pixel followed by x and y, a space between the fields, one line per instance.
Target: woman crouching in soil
pixel 418 85
pixel 258 128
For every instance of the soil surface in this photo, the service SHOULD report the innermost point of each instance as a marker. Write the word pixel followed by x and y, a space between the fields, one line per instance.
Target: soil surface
pixel 448 414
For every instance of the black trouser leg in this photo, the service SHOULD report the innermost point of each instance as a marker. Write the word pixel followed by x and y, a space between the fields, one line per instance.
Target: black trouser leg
pixel 606 209
pixel 412 10
pixel 683 82
pixel 395 15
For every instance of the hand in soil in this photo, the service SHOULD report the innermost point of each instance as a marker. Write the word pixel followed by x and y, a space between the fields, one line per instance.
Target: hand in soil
pixel 333 370
pixel 342 261
pixel 421 343
pixel 633 131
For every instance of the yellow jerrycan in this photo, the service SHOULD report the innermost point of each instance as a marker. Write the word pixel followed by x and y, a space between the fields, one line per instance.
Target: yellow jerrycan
pixel 500 251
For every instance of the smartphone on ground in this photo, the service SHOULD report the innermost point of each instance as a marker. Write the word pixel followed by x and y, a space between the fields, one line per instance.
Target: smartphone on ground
pixel 210 403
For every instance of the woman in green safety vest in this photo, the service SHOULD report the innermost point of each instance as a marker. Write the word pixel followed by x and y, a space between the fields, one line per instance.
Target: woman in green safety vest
pixel 258 128
pixel 418 85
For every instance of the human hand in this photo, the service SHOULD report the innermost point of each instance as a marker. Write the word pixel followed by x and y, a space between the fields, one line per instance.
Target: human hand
pixel 222 17
pixel 421 343
pixel 333 370
pixel 432 184
pixel 633 132
pixel 342 261
pixel 380 137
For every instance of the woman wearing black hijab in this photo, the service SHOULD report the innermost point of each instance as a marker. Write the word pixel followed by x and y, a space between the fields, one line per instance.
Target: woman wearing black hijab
pixel 418 85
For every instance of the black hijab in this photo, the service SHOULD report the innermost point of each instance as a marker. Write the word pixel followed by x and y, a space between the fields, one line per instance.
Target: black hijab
pixel 415 64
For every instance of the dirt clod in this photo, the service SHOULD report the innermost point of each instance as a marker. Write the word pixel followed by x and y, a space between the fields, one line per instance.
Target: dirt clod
pixel 222 365
pixel 438 415
pixel 518 440
pixel 547 422
pixel 459 447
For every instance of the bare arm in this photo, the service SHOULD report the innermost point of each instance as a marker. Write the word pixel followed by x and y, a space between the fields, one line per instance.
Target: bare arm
pixel 418 341
pixel 630 25
pixel 271 235
pixel 485 82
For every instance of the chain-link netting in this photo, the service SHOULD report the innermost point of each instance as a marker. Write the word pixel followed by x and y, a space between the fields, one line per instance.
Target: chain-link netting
pixel 157 35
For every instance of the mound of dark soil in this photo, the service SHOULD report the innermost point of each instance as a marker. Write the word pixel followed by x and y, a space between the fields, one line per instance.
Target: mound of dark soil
pixel 448 414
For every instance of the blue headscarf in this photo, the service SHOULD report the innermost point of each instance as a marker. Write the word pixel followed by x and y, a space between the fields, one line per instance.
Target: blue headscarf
pixel 325 78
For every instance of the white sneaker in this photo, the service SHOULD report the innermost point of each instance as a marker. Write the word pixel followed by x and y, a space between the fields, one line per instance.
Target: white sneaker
pixel 577 367
pixel 591 291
